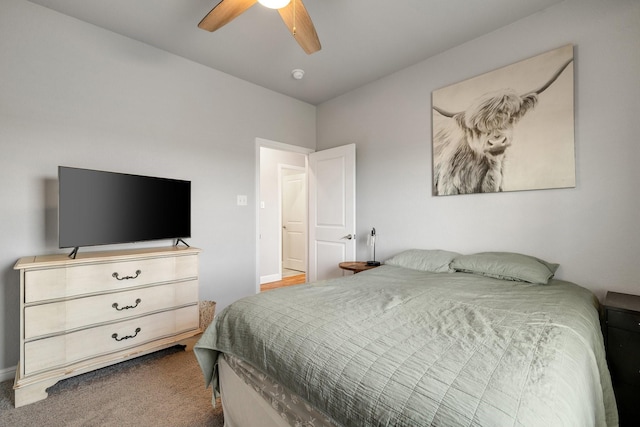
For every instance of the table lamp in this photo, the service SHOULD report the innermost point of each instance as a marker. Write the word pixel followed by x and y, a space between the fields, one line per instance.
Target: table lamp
pixel 371 242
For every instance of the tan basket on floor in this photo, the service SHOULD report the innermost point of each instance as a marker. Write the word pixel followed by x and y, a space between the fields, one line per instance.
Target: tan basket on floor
pixel 207 311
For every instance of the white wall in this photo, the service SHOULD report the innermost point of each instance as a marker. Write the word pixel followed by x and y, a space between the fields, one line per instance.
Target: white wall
pixel 74 94
pixel 593 230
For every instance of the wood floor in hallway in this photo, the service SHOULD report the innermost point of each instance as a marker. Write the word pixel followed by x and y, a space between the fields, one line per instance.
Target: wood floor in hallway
pixel 286 281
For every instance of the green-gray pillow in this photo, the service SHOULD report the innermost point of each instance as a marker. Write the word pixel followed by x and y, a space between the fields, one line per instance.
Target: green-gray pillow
pixel 433 260
pixel 506 266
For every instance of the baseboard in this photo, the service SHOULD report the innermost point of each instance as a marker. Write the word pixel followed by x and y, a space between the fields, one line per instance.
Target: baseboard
pixel 7 374
pixel 270 278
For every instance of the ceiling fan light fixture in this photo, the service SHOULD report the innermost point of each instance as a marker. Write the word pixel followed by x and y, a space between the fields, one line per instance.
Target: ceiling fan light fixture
pixel 274 4
pixel 292 14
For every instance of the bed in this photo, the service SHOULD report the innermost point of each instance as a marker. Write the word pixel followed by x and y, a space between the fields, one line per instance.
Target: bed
pixel 430 338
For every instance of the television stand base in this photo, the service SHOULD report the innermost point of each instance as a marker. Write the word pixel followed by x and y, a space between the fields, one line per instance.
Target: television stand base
pixel 74 252
pixel 180 240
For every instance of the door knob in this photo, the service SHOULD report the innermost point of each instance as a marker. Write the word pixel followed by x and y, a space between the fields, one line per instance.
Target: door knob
pixel 348 237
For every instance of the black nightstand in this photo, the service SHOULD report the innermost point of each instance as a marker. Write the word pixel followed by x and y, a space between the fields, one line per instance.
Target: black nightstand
pixel 622 339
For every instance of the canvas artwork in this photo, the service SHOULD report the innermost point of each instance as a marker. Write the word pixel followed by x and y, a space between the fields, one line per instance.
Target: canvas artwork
pixel 511 129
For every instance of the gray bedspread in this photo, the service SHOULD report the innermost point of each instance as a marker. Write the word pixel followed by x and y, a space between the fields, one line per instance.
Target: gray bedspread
pixel 399 347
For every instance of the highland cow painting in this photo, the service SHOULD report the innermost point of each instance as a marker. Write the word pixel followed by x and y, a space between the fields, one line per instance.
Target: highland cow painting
pixel 507 130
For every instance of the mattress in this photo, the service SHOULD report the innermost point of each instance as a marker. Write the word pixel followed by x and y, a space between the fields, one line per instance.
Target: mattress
pixel 401 347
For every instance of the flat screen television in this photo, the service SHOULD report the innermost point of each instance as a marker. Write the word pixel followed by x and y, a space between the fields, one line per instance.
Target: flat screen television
pixel 101 208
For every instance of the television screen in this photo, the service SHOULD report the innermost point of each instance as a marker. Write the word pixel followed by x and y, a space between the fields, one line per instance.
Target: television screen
pixel 99 208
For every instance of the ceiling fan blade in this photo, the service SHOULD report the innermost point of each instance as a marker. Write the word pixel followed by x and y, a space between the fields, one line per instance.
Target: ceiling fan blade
pixel 223 13
pixel 305 33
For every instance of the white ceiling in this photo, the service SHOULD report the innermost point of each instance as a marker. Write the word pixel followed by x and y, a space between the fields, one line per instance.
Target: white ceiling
pixel 362 40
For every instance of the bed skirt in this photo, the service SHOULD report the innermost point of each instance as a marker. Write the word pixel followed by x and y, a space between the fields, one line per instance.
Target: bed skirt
pixel 242 406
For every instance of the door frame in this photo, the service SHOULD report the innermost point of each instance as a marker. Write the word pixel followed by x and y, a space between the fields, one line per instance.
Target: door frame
pixel 266 143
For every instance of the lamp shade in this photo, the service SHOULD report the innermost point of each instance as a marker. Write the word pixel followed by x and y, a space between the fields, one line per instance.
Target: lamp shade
pixel 274 4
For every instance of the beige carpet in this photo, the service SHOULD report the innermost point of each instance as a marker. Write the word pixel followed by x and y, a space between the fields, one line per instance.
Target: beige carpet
pixel 165 388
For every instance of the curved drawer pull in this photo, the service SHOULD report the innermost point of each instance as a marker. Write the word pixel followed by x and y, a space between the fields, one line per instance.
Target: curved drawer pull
pixel 126 277
pixel 126 307
pixel 126 337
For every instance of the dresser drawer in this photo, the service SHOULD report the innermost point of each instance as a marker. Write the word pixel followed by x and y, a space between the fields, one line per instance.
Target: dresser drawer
pixel 62 350
pixel 623 348
pixel 623 320
pixel 52 318
pixel 57 283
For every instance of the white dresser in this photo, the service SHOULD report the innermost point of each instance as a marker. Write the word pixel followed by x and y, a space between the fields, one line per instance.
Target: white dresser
pixel 77 315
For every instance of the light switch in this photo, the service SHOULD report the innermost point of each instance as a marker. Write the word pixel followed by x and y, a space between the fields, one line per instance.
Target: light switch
pixel 242 200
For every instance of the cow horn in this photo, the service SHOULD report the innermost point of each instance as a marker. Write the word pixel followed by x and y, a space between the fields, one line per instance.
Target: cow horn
pixel 444 112
pixel 554 77
pixel 538 91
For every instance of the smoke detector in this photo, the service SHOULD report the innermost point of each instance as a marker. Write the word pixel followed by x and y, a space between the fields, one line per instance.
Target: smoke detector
pixel 297 74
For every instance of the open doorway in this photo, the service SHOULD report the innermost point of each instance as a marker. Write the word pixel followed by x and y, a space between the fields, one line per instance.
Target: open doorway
pixel 282 214
pixel 330 206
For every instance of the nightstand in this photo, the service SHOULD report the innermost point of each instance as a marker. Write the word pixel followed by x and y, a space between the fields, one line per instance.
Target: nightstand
pixel 356 266
pixel 622 339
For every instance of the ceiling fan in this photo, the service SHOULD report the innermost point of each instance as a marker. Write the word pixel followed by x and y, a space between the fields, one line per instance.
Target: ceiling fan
pixel 292 12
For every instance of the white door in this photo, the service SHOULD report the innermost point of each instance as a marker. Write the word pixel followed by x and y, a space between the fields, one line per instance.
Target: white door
pixel 294 224
pixel 332 211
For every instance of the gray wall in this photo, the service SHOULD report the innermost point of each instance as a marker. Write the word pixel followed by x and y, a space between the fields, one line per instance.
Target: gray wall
pixel 591 230
pixel 73 94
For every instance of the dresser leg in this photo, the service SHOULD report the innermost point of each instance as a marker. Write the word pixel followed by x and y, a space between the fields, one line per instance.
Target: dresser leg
pixel 26 394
